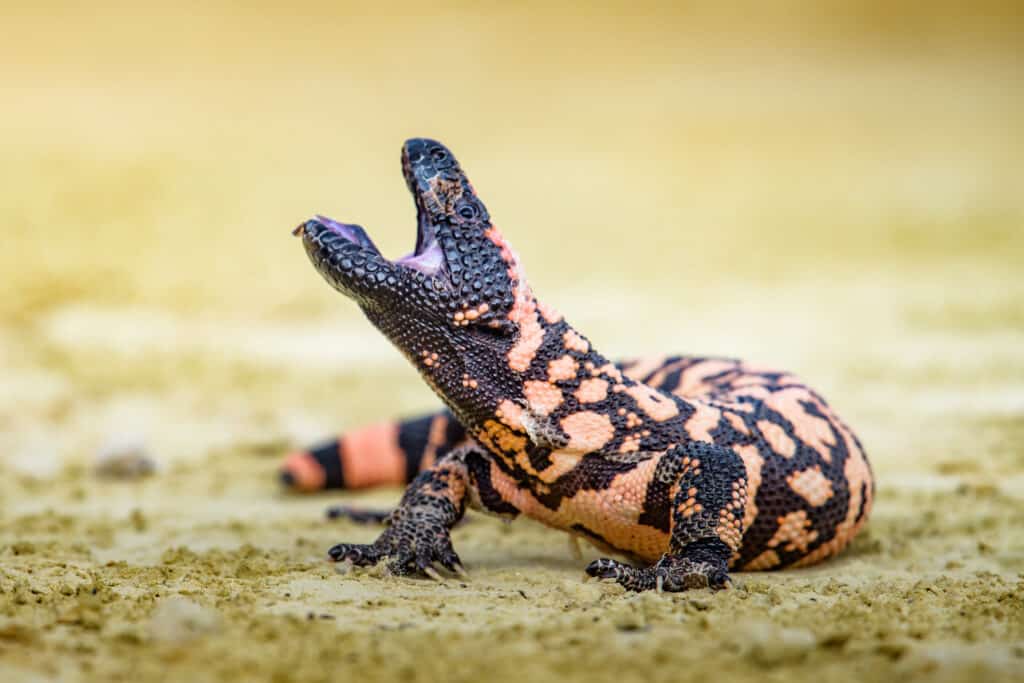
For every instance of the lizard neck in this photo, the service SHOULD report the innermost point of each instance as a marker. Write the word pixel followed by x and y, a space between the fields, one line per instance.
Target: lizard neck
pixel 544 389
pixel 563 395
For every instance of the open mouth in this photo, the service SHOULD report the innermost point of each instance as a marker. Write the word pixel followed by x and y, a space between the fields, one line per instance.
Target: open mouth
pixel 427 257
pixel 423 162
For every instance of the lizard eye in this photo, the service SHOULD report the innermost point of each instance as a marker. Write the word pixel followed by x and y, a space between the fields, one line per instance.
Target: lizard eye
pixel 440 157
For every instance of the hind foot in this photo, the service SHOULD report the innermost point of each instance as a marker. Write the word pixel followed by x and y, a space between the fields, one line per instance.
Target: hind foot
pixel 671 573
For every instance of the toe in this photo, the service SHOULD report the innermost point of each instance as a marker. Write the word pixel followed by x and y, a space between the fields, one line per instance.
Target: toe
pixel 449 560
pixel 338 552
pixel 719 579
pixel 604 569
pixel 360 555
pixel 424 558
pixel 404 565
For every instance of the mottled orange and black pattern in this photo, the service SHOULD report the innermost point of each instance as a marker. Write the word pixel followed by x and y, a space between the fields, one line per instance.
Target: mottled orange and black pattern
pixel 690 466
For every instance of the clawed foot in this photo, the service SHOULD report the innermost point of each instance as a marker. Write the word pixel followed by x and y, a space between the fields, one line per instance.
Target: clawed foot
pixel 411 546
pixel 417 537
pixel 671 573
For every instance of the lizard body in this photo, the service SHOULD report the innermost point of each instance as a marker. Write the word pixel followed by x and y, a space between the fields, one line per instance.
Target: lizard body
pixel 690 466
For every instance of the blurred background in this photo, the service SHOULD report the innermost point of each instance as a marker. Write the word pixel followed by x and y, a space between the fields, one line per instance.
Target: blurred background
pixel 836 188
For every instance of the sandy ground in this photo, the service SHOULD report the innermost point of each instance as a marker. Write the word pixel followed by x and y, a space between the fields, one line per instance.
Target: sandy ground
pixel 851 209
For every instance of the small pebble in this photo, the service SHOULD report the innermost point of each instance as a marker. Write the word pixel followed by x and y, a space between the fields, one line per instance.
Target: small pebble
pixel 124 459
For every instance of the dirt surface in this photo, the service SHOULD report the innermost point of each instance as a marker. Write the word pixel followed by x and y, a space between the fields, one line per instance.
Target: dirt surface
pixel 851 210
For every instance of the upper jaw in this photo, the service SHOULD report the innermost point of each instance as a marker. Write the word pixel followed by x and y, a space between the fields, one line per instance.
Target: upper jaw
pixel 428 168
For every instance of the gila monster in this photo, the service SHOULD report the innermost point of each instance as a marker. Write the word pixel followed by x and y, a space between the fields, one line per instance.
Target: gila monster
pixel 686 466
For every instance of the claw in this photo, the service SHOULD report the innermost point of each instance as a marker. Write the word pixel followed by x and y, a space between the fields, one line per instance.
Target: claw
pixel 574 548
pixel 659 583
pixel 460 571
pixel 432 573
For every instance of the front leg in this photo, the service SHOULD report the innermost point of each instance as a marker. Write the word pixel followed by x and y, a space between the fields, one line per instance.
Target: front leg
pixel 708 498
pixel 418 534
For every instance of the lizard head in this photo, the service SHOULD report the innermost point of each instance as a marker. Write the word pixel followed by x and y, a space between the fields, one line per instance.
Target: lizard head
pixel 458 306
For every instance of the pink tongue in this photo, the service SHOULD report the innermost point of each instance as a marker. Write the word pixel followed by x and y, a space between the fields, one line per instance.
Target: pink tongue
pixel 342 229
pixel 429 262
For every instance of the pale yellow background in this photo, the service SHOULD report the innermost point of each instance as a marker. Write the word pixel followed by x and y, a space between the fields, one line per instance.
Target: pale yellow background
pixel 833 188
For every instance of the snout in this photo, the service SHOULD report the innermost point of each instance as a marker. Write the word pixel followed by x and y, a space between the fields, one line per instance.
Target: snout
pixel 428 153
pixel 433 176
pixel 424 160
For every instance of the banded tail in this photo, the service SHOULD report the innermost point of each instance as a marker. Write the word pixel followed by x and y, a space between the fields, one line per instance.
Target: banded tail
pixel 393 453
pixel 382 454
